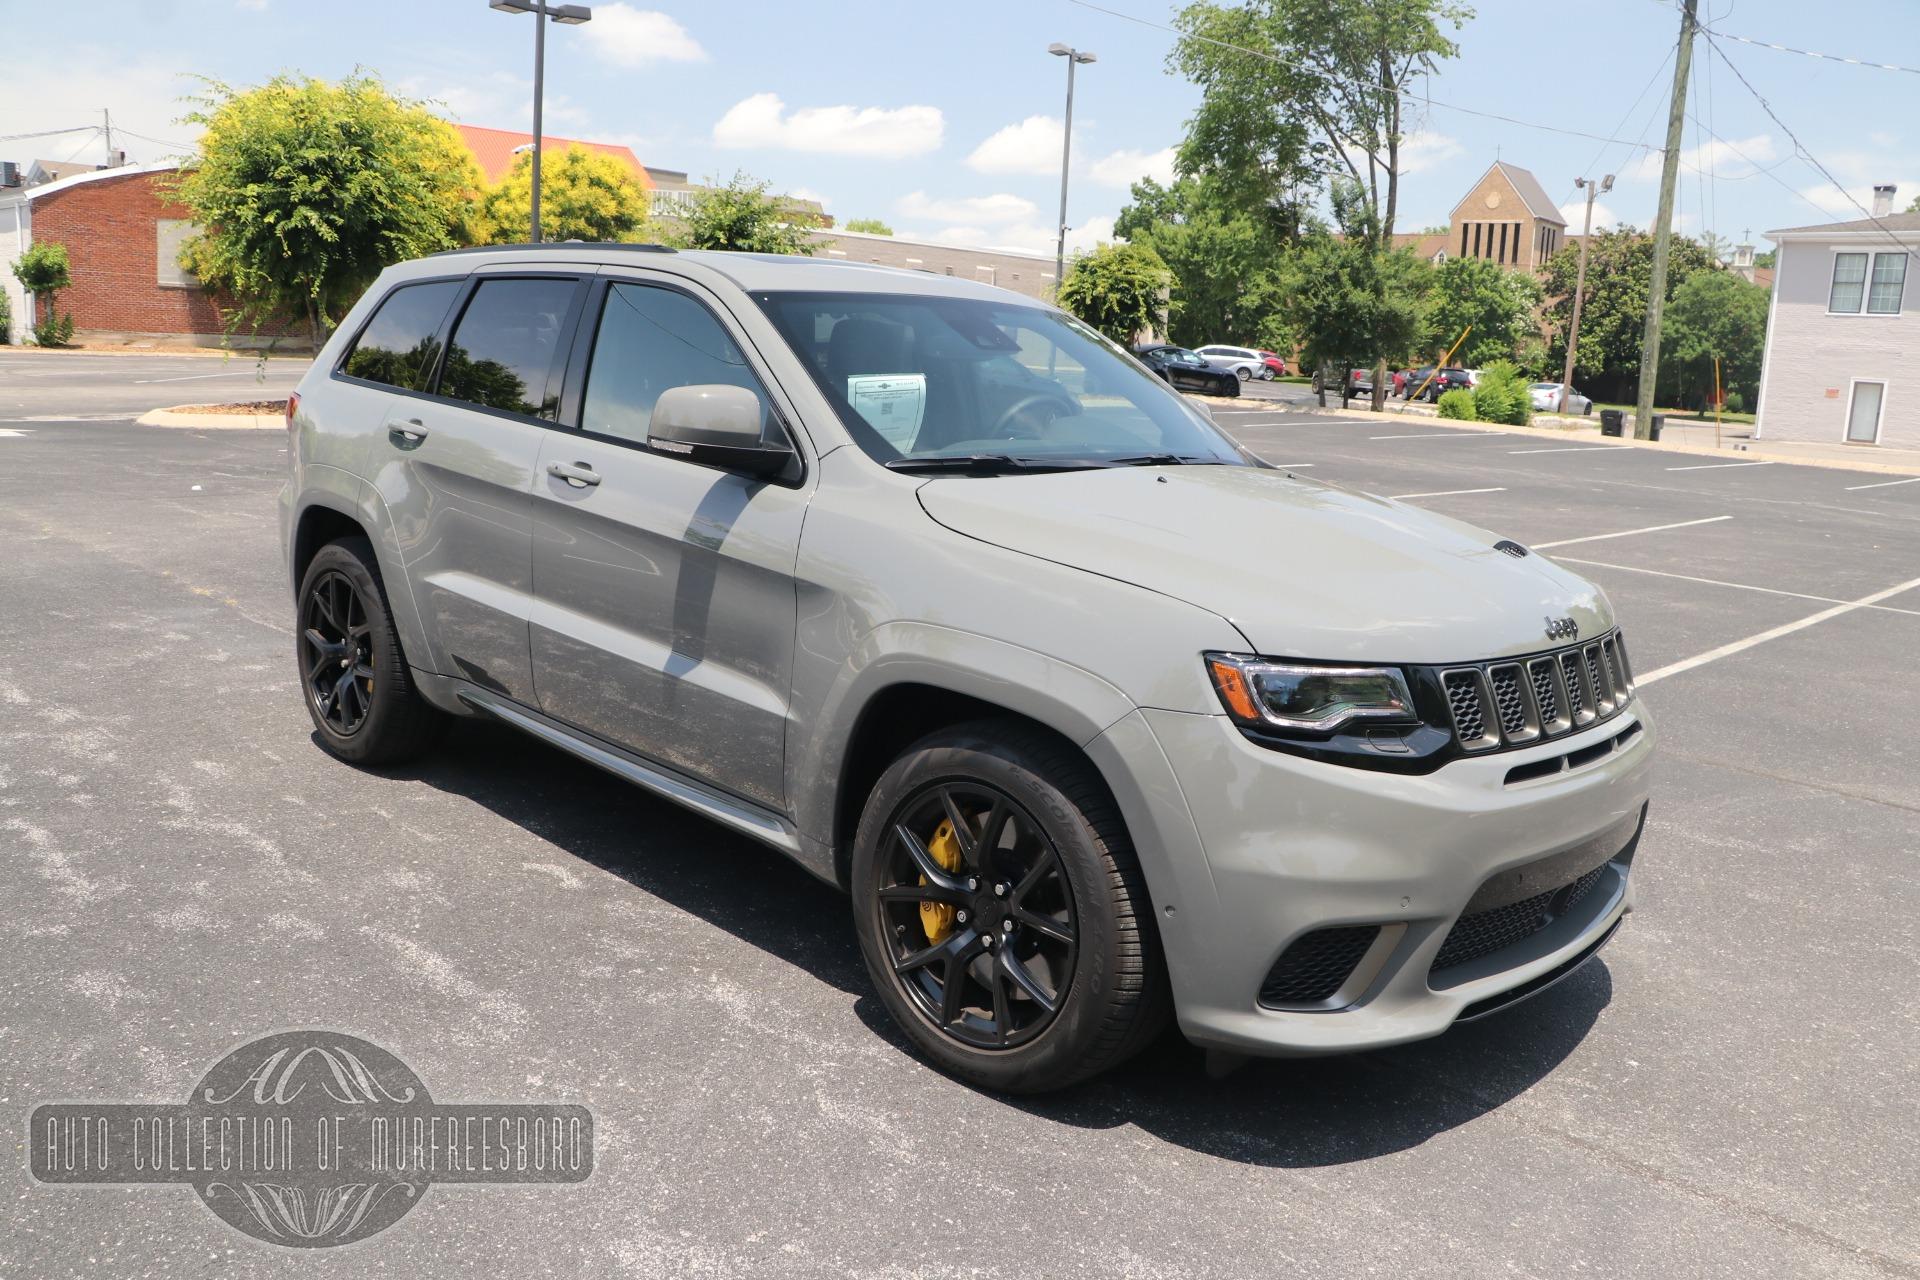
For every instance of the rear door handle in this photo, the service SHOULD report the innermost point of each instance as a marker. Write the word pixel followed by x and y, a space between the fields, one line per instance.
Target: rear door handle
pixel 577 474
pixel 412 431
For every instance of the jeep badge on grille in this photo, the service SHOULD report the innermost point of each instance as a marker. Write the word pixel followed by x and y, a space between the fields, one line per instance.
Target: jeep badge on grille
pixel 1562 628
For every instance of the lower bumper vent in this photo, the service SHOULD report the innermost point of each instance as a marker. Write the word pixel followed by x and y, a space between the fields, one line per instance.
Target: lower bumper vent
pixel 1486 932
pixel 1317 964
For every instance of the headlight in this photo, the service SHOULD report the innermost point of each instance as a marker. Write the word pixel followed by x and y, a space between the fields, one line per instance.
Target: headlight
pixel 1306 699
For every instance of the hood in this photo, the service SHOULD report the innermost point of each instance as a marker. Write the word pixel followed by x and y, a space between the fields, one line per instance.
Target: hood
pixel 1303 569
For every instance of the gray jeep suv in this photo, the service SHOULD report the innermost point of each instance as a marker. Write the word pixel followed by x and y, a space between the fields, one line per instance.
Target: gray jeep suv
pixel 1097 718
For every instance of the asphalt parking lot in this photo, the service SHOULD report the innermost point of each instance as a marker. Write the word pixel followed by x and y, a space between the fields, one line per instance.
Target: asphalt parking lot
pixel 1732 1089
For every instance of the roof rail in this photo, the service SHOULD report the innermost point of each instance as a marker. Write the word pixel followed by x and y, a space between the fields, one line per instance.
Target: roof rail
pixel 558 244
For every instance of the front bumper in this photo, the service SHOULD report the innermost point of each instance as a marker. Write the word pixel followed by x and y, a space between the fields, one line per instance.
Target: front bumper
pixel 1248 849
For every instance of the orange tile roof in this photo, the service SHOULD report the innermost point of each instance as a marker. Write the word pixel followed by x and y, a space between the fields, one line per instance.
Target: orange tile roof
pixel 494 149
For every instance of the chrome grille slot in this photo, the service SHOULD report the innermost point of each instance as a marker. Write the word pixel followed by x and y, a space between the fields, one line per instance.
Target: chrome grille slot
pixel 1547 697
pixel 1517 724
pixel 1574 679
pixel 1597 681
pixel 1471 708
pixel 1622 671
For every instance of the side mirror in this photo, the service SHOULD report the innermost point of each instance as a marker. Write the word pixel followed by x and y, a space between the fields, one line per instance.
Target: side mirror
pixel 720 426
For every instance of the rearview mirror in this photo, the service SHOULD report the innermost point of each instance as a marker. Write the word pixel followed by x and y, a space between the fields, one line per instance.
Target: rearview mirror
pixel 718 425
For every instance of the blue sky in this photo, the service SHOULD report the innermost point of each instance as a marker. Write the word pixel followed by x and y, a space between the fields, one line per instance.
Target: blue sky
pixel 944 119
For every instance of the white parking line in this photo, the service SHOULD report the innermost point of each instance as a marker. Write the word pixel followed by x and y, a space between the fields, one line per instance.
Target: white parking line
pixel 1728 650
pixel 194 377
pixel 1628 533
pixel 1740 586
pixel 1578 448
pixel 1444 493
pixel 1709 466
pixel 1443 435
pixel 1883 484
pixel 1293 466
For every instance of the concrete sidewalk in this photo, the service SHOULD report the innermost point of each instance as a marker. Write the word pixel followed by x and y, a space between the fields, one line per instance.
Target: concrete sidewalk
pixel 1736 442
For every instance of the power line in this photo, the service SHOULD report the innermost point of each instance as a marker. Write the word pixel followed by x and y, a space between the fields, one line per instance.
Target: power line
pixel 1800 148
pixel 47 133
pixel 1809 53
pixel 1368 85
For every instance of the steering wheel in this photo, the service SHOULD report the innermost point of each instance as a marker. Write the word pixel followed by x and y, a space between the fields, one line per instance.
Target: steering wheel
pixel 1004 424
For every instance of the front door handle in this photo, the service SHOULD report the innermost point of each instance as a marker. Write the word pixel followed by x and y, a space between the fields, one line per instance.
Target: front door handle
pixel 408 433
pixel 577 474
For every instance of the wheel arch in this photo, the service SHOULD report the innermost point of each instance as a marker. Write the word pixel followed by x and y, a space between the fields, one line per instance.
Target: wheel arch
pixel 336 504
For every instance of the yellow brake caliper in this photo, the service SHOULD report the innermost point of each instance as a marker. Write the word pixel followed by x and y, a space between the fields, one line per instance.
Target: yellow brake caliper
pixel 936 918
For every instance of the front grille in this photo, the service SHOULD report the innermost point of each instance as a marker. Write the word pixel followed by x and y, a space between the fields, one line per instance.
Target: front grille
pixel 1511 702
pixel 1485 932
pixel 1317 964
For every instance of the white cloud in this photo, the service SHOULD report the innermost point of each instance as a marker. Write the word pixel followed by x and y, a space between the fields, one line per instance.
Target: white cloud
pixel 998 210
pixel 1832 201
pixel 1025 236
pixel 891 132
pixel 1732 158
pixel 1031 146
pixel 630 37
pixel 1575 212
pixel 1425 149
pixel 143 95
pixel 1124 168
pixel 808 193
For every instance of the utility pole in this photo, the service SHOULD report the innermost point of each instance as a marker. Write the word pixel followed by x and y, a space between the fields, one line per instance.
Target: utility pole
pixel 1663 224
pixel 1074 58
pixel 106 123
pixel 1580 281
pixel 570 15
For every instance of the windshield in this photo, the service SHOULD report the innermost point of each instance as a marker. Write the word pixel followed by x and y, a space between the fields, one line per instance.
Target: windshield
pixel 929 378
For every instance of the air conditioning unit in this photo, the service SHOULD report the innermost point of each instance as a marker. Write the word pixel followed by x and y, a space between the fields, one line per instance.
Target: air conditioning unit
pixel 9 174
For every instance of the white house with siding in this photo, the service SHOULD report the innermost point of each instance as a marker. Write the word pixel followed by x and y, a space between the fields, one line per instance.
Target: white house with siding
pixel 1843 333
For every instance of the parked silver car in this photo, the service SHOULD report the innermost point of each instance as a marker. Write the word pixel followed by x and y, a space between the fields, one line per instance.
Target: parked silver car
pixel 936 591
pixel 1546 399
pixel 1243 362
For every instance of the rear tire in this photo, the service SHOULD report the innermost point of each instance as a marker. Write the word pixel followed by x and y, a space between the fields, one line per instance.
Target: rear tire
pixel 1076 922
pixel 356 683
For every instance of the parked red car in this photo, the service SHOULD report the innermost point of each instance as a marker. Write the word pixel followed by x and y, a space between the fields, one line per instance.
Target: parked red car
pixel 1274 363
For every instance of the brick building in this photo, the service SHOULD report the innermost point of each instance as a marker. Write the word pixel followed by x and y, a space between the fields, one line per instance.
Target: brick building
pixel 123 236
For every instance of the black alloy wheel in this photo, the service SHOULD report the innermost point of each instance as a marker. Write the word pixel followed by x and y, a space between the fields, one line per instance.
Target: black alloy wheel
pixel 976 912
pixel 336 653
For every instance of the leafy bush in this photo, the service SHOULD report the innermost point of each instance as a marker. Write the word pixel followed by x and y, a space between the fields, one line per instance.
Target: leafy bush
pixel 6 320
pixel 1502 395
pixel 1116 288
pixel 1734 402
pixel 1457 404
pixel 45 270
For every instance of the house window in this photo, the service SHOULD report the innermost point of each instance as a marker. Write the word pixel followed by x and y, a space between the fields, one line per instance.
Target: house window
pixel 1463 239
pixel 1889 280
pixel 170 235
pixel 1878 288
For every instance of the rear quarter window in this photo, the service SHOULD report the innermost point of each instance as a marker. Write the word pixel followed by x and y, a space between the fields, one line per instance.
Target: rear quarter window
pixel 400 345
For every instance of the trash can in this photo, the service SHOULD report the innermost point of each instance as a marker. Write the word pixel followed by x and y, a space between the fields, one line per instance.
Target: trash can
pixel 1659 420
pixel 1611 420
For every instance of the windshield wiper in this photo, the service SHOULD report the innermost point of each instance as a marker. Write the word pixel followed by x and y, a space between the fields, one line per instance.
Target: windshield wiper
pixel 982 463
pixel 1158 460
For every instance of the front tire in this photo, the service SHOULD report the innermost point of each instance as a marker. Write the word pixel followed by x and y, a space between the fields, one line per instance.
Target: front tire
pixel 1001 912
pixel 357 686
pixel 1242 373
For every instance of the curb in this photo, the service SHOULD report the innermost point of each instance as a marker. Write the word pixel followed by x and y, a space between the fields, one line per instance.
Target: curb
pixel 212 421
pixel 1593 437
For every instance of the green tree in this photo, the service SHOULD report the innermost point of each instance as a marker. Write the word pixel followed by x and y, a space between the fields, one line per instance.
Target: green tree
pixel 1619 274
pixel 583 196
pixel 308 189
pixel 869 226
pixel 742 216
pixel 43 270
pixel 1117 289
pixel 1715 313
pixel 1221 259
pixel 1500 305
pixel 1355 306
pixel 1502 395
pixel 1327 97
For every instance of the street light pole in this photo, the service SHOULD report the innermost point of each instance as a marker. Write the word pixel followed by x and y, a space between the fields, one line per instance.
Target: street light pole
pixel 1074 57
pixel 1580 281
pixel 571 15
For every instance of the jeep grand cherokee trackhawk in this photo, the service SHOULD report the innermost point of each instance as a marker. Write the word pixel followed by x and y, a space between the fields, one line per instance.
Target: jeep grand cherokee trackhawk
pixel 932 588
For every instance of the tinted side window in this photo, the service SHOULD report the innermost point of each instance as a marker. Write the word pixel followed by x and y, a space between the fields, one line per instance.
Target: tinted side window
pixel 649 341
pixel 401 342
pixel 501 354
